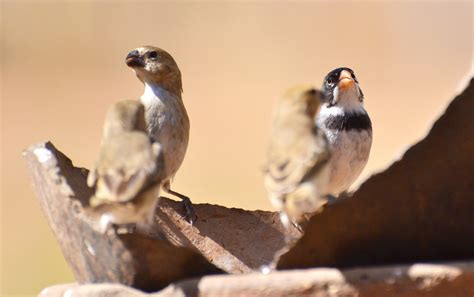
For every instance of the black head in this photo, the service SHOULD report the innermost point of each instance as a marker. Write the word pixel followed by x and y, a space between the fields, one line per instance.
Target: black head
pixel 342 78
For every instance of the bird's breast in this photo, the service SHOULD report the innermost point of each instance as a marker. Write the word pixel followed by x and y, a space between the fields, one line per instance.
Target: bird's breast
pixel 350 140
pixel 168 124
pixel 350 153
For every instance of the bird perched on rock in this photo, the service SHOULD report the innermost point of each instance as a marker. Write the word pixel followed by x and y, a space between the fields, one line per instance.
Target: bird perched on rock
pixel 129 169
pixel 165 115
pixel 296 169
pixel 347 126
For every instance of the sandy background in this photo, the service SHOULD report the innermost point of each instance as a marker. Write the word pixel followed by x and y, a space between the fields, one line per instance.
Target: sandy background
pixel 62 66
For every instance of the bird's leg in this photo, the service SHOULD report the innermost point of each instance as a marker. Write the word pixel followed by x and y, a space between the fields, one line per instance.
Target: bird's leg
pixel 190 215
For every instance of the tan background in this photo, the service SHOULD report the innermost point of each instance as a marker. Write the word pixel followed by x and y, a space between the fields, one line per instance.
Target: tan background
pixel 62 66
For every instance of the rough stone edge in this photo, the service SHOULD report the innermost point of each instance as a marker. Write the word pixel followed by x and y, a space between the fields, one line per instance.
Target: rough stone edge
pixel 422 279
pixel 54 177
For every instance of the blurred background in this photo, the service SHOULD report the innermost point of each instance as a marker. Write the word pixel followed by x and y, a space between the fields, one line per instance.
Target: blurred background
pixel 62 66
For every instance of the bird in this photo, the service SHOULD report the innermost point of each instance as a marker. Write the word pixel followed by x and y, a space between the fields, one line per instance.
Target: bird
pixel 165 114
pixel 129 170
pixel 295 172
pixel 348 129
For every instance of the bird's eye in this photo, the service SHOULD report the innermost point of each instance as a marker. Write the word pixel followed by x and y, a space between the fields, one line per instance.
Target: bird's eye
pixel 153 55
pixel 330 81
pixel 353 75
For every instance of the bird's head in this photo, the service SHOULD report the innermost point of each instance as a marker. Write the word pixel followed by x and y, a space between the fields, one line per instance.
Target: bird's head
pixel 155 66
pixel 125 116
pixel 341 87
pixel 304 99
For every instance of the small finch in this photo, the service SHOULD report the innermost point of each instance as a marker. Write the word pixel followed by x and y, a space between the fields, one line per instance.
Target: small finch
pixel 128 171
pixel 166 118
pixel 296 169
pixel 347 126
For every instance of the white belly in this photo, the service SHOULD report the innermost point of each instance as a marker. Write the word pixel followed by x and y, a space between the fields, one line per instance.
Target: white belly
pixel 168 124
pixel 171 130
pixel 350 153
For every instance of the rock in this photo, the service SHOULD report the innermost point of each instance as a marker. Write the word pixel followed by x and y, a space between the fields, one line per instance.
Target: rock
pixel 429 280
pixel 132 259
pixel 235 240
pixel 171 250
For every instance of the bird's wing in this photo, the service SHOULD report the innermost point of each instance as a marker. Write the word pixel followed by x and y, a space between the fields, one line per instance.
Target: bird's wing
pixel 124 187
pixel 291 163
pixel 127 167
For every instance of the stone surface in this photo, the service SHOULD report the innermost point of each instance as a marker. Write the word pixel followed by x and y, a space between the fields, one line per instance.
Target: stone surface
pixel 222 240
pixel 420 209
pixel 235 240
pixel 433 280
pixel 134 259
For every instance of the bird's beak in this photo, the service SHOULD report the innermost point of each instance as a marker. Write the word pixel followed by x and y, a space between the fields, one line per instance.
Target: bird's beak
pixel 134 59
pixel 345 80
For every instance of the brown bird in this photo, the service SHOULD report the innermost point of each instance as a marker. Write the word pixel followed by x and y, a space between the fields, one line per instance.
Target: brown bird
pixel 296 169
pixel 129 169
pixel 165 114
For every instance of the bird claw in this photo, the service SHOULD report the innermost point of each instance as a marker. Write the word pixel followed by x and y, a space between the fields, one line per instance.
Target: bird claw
pixel 190 215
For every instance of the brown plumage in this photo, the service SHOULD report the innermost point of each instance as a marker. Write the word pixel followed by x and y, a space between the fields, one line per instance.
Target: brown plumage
pixel 129 169
pixel 166 117
pixel 296 171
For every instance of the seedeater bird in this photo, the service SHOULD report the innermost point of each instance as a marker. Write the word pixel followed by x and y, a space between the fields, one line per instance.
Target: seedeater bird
pixel 129 169
pixel 347 126
pixel 166 117
pixel 296 171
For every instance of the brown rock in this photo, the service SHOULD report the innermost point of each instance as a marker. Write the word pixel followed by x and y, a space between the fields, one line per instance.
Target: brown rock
pixel 421 280
pixel 171 250
pixel 235 240
pixel 133 259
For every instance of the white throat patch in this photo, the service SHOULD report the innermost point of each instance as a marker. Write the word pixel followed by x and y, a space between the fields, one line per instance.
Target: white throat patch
pixel 348 100
pixel 153 92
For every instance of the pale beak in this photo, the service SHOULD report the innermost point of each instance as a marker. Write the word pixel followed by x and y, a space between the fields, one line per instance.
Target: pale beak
pixel 345 80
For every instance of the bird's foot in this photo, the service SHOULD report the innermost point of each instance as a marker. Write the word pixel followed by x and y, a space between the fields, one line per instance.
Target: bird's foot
pixel 190 215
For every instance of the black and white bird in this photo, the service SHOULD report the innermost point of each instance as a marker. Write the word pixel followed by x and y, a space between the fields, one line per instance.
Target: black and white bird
pixel 347 126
